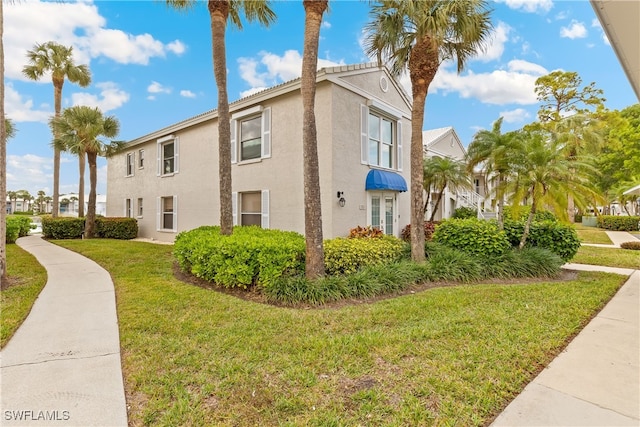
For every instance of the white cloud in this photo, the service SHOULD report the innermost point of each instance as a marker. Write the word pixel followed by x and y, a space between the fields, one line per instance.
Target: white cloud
pixel 515 85
pixel 23 110
pixel 29 172
pixel 270 69
pixel 597 24
pixel 326 24
pixel 498 38
pixel 530 6
pixel 515 116
pixel 156 87
pixel 110 98
pixel 187 94
pixel 576 30
pixel 77 24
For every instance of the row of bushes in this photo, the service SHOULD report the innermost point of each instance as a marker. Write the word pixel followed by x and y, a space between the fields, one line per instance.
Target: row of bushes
pixel 17 226
pixel 619 223
pixel 73 228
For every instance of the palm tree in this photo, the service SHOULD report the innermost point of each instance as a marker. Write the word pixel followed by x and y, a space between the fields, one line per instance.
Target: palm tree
pixel 73 200
pixel 79 129
pixel 445 172
pixel 420 35
pixel 40 201
pixel 10 129
pixel 3 160
pixel 13 198
pixel 495 151
pixel 313 10
pixel 54 58
pixel 219 12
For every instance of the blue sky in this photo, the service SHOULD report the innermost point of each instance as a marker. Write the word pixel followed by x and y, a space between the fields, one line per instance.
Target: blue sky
pixel 151 67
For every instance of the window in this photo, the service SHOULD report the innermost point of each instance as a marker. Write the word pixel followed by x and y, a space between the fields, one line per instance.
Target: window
pixel 167 155
pixel 140 207
pixel 130 161
pixel 128 209
pixel 253 208
pixel 251 134
pixel 381 136
pixel 167 219
pixel 141 159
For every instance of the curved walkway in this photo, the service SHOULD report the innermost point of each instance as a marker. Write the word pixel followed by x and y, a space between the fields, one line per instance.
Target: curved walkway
pixel 62 366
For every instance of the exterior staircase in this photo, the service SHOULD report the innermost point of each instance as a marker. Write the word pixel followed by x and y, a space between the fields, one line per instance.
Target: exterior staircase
pixel 471 199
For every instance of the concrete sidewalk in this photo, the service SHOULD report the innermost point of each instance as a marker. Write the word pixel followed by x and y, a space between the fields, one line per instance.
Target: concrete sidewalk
pixel 62 367
pixel 617 238
pixel 595 381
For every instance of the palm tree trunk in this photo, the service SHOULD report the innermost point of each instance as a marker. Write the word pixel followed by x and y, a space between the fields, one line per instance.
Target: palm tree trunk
pixel 314 266
pixel 218 13
pixel 527 225
pixel 81 167
pixel 500 197
pixel 90 221
pixel 571 208
pixel 3 161
pixel 57 100
pixel 436 205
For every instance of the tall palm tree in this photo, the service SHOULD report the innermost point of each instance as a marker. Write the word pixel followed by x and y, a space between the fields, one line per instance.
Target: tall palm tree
pixel 495 152
pixel 13 198
pixel 79 129
pixel 420 35
pixel 3 159
pixel 219 12
pixel 54 58
pixel 445 172
pixel 40 201
pixel 10 129
pixel 313 11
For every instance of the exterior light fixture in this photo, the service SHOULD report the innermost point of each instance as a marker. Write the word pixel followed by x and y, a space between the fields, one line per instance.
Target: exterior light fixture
pixel 341 200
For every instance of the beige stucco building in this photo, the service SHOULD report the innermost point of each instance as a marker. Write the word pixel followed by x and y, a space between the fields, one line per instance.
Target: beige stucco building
pixel 168 179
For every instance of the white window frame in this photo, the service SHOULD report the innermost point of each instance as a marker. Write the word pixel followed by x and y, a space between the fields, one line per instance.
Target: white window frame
pixel 176 155
pixel 383 194
pixel 130 162
pixel 264 202
pixel 265 128
pixel 384 112
pixel 128 208
pixel 160 214
pixel 141 158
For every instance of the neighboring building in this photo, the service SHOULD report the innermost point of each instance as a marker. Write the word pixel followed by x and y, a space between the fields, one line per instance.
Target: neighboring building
pixel 444 142
pixel 69 204
pixel 168 179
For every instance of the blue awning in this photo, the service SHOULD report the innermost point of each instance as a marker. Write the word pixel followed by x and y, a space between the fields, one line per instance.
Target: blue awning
pixel 384 180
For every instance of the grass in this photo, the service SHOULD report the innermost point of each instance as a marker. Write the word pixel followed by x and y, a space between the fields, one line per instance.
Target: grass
pixel 592 235
pixel 447 356
pixel 28 278
pixel 612 257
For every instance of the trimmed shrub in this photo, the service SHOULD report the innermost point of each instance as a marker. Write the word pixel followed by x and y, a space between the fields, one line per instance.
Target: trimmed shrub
pixel 365 232
pixel 429 228
pixel 345 256
pixel 465 212
pixel 631 245
pixel 619 223
pixel 23 222
pixel 521 213
pixel 250 256
pixel 473 236
pixel 12 231
pixel 62 227
pixel 561 239
pixel 122 228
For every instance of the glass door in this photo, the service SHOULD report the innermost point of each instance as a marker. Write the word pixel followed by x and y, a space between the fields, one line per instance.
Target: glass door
pixel 383 212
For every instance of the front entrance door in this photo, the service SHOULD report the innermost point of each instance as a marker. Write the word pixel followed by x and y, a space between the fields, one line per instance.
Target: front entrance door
pixel 383 212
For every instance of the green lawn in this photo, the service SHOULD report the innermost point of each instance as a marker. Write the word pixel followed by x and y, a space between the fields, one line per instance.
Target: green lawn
pixel 28 278
pixel 612 257
pixel 446 356
pixel 592 235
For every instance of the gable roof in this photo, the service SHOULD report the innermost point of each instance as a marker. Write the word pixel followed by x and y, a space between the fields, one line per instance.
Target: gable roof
pixel 432 138
pixel 332 74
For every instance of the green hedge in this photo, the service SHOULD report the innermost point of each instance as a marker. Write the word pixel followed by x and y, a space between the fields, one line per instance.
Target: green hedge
pixel 13 230
pixel 465 212
pixel 618 223
pixel 23 224
pixel 561 239
pixel 473 236
pixel 62 227
pixel 346 256
pixel 117 228
pixel 250 256
pixel 521 213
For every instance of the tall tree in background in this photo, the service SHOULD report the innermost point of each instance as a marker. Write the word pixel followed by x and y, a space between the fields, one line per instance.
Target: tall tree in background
pixel 445 172
pixel 78 130
pixel 219 12
pixel 54 58
pixel 3 159
pixel 495 151
pixel 569 110
pixel 313 11
pixel 419 35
